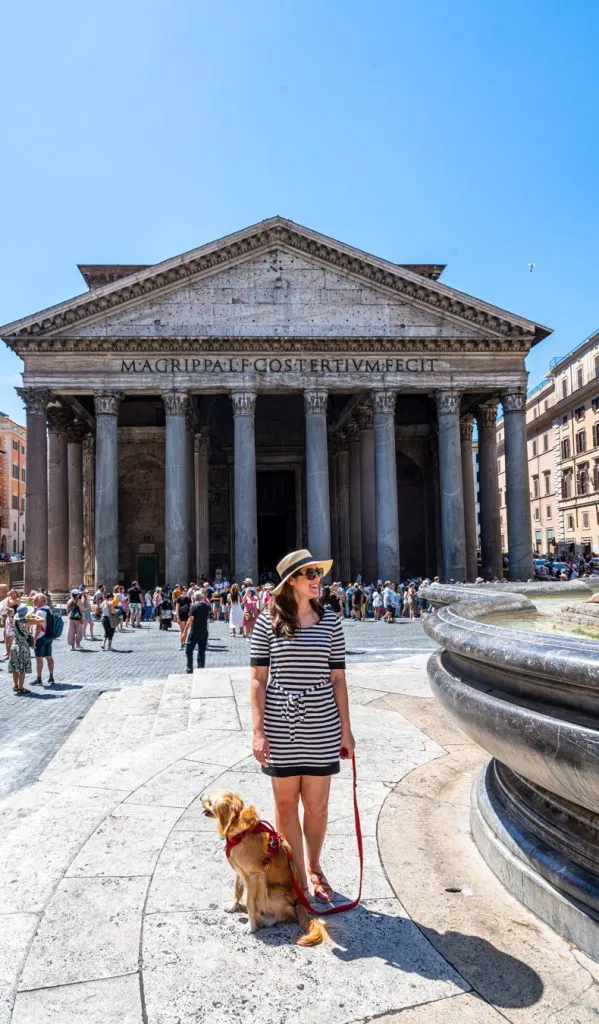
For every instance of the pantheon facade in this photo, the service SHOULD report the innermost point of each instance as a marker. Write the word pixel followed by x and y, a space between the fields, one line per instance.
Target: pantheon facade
pixel 271 390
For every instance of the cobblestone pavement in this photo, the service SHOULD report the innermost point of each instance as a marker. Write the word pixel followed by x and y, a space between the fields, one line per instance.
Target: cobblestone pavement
pixel 32 728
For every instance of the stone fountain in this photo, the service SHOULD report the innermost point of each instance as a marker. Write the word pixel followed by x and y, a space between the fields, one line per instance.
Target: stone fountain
pixel 531 700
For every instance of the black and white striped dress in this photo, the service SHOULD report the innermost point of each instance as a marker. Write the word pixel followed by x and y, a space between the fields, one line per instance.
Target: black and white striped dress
pixel 301 720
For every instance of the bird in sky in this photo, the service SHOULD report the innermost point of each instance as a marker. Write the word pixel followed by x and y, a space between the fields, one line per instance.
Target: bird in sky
pixel 531 267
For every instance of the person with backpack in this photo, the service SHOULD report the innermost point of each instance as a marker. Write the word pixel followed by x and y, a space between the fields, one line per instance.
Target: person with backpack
pixel 75 617
pixel 48 627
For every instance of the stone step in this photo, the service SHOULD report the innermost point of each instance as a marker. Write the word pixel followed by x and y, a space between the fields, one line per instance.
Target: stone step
pixel 172 714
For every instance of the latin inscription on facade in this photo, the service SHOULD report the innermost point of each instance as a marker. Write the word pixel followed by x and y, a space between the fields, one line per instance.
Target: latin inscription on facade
pixel 268 365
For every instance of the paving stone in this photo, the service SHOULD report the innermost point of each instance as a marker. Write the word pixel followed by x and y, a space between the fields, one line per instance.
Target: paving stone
pixel 16 933
pixel 90 930
pixel 214 713
pixel 192 873
pixel 127 842
pixel 382 962
pixel 177 785
pixel 110 1001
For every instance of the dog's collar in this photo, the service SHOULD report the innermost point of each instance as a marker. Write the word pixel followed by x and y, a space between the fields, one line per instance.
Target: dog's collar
pixel 274 841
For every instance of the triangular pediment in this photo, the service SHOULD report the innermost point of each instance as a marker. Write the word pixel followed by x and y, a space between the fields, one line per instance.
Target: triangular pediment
pixel 275 279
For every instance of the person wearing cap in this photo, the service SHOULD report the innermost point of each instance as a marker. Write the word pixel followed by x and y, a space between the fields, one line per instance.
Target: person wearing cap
pixel 19 662
pixel 300 708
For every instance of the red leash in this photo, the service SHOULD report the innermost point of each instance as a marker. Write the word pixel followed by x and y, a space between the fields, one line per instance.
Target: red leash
pixel 343 906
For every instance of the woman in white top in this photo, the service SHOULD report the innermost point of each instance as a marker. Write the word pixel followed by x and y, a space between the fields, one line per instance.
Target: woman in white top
pixel 236 614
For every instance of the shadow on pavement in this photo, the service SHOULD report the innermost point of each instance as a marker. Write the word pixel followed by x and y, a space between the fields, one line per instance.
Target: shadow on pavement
pixel 67 686
pixel 501 979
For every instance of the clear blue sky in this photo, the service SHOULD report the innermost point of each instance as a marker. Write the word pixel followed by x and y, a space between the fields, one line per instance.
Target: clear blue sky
pixel 454 131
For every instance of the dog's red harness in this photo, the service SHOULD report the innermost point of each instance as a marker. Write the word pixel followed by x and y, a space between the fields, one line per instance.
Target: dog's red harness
pixel 274 840
pixel 275 843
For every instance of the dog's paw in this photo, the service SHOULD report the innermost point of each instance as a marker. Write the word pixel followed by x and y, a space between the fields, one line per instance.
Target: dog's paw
pixel 233 907
pixel 249 928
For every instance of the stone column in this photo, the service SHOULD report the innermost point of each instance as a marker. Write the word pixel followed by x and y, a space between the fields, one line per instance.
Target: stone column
pixel 89 511
pixel 75 488
pixel 317 474
pixel 190 477
pixel 453 536
pixel 176 537
pixel 466 424
pixel 244 501
pixel 343 569
pixel 333 502
pixel 367 493
pixel 355 523
pixel 58 502
pixel 107 488
pixel 517 487
pixel 36 489
pixel 488 490
pixel 201 450
pixel 387 522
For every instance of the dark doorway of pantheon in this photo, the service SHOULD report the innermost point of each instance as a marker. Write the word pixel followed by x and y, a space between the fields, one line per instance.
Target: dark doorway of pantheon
pixel 276 517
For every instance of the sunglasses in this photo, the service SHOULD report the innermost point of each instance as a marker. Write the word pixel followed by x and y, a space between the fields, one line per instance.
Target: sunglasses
pixel 311 574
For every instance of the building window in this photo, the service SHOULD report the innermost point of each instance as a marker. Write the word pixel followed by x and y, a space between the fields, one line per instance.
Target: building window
pixel 566 448
pixel 582 481
pixel 579 377
pixel 22 504
pixel 537 514
pixel 15 502
pixel 579 413
pixel 570 523
pixel 546 405
pixel 499 437
pixel 565 420
pixel 564 388
pixel 22 475
pixel 595 435
pixel 534 448
pixel 499 465
pixel 596 478
pixel 548 512
pixel 597 366
pixel 535 486
pixel 581 442
pixel 545 442
pixel 585 521
pixel 14 547
pixel 535 413
pixel 22 449
pixel 547 478
pixel 15 471
pixel 539 541
pixel 550 538
pixel 500 496
pixel 567 484
pixel 15 446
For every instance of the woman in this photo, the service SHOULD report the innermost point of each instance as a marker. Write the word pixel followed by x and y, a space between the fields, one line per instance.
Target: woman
pixel 19 662
pixel 75 616
pixel 235 611
pixel 377 604
pixel 164 610
pixel 182 606
pixel 88 620
pixel 9 628
pixel 300 715
pixel 110 620
pixel 250 612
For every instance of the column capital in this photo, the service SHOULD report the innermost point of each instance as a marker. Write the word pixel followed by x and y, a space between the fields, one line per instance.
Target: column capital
pixel 448 402
pixel 201 442
pixel 364 415
pixel 107 402
pixel 513 401
pixel 89 443
pixel 35 399
pixel 384 401
pixel 466 425
pixel 59 419
pixel 244 403
pixel 175 402
pixel 76 431
pixel 316 402
pixel 486 413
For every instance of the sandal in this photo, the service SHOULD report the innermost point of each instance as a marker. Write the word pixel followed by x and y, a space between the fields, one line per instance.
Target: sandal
pixel 322 890
pixel 15 689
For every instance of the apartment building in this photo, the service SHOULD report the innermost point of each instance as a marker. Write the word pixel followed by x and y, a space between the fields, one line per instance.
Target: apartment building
pixel 13 478
pixel 562 416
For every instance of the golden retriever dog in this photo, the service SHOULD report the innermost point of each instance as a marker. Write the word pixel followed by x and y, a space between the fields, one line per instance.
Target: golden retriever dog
pixel 266 880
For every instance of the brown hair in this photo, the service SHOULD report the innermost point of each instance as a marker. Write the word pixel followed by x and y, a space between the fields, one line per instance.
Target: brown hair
pixel 283 612
pixel 234 592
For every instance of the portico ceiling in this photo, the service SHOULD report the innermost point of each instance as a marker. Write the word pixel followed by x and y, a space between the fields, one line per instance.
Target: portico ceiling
pixel 400 285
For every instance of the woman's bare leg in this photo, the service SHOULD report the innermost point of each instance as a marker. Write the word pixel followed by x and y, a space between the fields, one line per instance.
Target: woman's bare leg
pixel 286 793
pixel 315 799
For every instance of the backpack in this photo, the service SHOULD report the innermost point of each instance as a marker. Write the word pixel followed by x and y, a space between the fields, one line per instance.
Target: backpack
pixel 54 624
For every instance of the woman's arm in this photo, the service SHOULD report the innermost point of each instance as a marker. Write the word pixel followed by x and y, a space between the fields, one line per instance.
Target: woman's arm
pixel 258 681
pixel 341 699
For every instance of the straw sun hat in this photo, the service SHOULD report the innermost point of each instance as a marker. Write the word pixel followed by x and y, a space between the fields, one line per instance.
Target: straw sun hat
pixel 296 560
